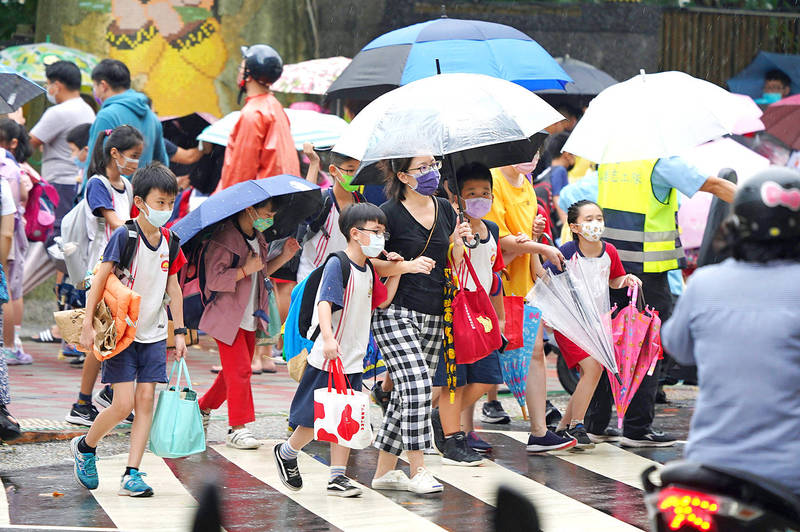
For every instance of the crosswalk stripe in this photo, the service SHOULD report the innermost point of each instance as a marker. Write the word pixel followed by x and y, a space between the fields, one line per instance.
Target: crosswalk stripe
pixel 5 518
pixel 605 459
pixel 176 507
pixel 348 514
pixel 556 511
pixel 63 528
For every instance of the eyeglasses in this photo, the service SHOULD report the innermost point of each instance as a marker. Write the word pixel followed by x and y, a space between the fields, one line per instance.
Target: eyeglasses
pixel 425 168
pixel 344 171
pixel 378 232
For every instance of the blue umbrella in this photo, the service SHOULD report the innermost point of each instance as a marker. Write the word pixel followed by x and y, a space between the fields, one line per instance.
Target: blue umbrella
pixel 750 81
pixel 514 364
pixel 16 90
pixel 461 46
pixel 305 200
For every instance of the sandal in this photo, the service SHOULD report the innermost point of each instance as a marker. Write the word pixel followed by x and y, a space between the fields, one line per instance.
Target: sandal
pixel 216 369
pixel 46 337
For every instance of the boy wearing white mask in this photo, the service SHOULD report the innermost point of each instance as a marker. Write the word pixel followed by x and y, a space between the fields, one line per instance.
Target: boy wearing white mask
pixel 135 371
pixel 585 219
pixel 343 312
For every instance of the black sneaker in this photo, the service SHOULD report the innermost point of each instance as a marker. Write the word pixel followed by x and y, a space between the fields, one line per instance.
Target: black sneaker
pixel 104 397
pixel 77 362
pixel 608 435
pixel 661 397
pixel 288 470
pixel 551 415
pixel 579 433
pixel 492 412
pixel 380 397
pixel 438 432
pixel 129 420
pixel 653 438
pixel 341 486
pixel 82 414
pixel 549 442
pixel 456 452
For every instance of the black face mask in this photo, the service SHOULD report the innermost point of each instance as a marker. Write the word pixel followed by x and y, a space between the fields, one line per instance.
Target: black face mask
pixel 570 167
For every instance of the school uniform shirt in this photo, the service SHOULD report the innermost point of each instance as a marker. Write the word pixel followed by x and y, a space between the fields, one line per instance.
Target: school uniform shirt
pixel 150 269
pixel 418 291
pixel 7 206
pixel 98 198
pixel 609 259
pixel 249 322
pixel 317 248
pixel 513 210
pixel 486 259
pixel 352 314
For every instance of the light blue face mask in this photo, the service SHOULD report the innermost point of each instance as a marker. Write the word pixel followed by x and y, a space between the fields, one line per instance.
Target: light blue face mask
pixel 769 98
pixel 156 217
pixel 77 162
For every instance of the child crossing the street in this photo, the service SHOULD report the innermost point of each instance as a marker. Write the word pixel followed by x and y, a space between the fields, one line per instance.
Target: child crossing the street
pixel 134 372
pixel 343 313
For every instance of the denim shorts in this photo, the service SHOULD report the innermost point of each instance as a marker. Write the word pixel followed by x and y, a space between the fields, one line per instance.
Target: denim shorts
pixel 139 362
pixel 484 371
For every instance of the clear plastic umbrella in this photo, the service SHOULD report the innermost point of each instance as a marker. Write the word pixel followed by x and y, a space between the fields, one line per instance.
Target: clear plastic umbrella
pixel 573 303
pixel 445 114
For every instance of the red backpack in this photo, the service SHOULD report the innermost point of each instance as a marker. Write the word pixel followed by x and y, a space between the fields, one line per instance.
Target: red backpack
pixel 40 210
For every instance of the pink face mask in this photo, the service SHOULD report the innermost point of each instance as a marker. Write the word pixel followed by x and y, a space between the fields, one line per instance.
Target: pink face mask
pixel 525 168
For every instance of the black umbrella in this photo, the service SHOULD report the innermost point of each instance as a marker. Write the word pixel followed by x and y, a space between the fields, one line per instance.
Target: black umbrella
pixel 183 130
pixel 16 90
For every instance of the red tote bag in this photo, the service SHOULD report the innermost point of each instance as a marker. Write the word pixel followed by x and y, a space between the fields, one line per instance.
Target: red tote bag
pixel 476 329
pixel 515 318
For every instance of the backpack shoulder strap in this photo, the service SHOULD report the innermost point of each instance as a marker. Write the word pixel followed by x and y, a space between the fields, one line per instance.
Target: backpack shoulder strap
pixel 174 242
pixel 319 222
pixel 126 258
pixel 344 262
pixel 359 197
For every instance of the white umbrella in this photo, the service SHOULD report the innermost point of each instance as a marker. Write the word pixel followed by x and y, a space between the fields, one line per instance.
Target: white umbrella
pixel 445 114
pixel 659 115
pixel 319 129
pixel 712 157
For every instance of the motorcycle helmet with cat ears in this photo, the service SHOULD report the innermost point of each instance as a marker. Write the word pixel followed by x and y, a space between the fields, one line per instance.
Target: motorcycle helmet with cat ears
pixel 767 206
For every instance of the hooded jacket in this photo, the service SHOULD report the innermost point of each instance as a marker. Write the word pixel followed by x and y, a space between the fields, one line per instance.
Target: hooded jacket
pixel 131 108
pixel 223 314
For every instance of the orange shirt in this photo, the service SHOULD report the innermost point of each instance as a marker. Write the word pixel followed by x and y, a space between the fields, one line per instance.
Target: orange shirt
pixel 260 144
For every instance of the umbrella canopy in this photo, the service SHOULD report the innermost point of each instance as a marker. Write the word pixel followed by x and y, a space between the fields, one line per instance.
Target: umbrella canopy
pixel 183 130
pixel 305 200
pixel 446 114
pixel 469 46
pixel 32 59
pixel 750 81
pixel 587 80
pixel 16 90
pixel 782 119
pixel 514 364
pixel 659 115
pixel 310 77
pixel 713 156
pixel 321 130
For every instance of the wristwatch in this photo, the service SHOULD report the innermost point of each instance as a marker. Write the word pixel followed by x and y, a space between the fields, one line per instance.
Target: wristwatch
pixel 180 330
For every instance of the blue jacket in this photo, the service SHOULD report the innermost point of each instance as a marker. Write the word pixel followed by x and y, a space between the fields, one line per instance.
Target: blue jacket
pixel 130 107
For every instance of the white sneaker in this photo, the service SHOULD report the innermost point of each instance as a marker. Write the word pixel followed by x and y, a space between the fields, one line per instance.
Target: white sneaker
pixel 424 482
pixel 242 439
pixel 393 480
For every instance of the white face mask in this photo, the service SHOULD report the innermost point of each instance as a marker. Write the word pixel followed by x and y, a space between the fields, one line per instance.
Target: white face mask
pixel 157 218
pixel 50 97
pixel 592 231
pixel 375 246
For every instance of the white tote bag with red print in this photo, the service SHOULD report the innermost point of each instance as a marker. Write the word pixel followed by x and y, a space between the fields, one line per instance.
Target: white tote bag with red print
pixel 341 414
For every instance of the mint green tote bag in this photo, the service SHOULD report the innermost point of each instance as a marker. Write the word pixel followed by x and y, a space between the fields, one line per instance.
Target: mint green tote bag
pixel 177 424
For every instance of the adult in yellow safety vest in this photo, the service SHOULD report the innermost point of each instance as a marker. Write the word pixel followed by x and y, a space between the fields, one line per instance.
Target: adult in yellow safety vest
pixel 640 205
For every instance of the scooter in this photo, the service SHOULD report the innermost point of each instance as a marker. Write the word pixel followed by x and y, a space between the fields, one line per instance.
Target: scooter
pixel 694 496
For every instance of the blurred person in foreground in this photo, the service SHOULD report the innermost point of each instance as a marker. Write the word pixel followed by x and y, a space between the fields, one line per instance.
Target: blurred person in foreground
pixel 740 323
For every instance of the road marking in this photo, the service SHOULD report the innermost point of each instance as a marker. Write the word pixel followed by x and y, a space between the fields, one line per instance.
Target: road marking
pixel 171 508
pixel 54 527
pixel 605 459
pixel 5 518
pixel 556 511
pixel 358 513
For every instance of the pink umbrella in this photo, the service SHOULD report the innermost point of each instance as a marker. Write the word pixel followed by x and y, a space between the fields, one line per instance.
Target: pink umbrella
pixel 630 331
pixel 782 119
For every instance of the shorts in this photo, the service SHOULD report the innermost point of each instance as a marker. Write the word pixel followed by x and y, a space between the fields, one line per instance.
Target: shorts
pixel 301 413
pixel 139 362
pixel 16 272
pixel 572 354
pixel 484 371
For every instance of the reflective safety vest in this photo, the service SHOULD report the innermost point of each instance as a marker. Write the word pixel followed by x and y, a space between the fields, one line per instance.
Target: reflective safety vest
pixel 642 228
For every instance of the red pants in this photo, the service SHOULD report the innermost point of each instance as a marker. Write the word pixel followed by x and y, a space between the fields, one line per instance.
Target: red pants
pixel 233 382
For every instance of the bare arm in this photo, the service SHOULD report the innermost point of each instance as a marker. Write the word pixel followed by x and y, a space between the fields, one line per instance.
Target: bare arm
pixel 512 247
pixel 35 142
pixel 290 248
pixel 330 347
pixel 313 168
pixel 500 310
pixel 112 219
pixel 721 188
pixel 186 156
pixel 6 238
pixel 391 290
pixel 176 308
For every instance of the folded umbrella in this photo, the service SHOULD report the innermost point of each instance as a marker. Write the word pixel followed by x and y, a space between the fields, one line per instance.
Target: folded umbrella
pixel 305 200
pixel 658 115
pixel 514 364
pixel 465 46
pixel 476 116
pixel 16 90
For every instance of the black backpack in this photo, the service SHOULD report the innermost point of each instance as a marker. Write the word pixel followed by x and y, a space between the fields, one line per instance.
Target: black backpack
pixel 310 293
pixel 318 224
pixel 126 257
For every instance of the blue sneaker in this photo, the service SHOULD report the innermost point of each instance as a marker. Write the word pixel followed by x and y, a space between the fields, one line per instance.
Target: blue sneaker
pixel 133 486
pixel 477 443
pixel 549 442
pixel 85 467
